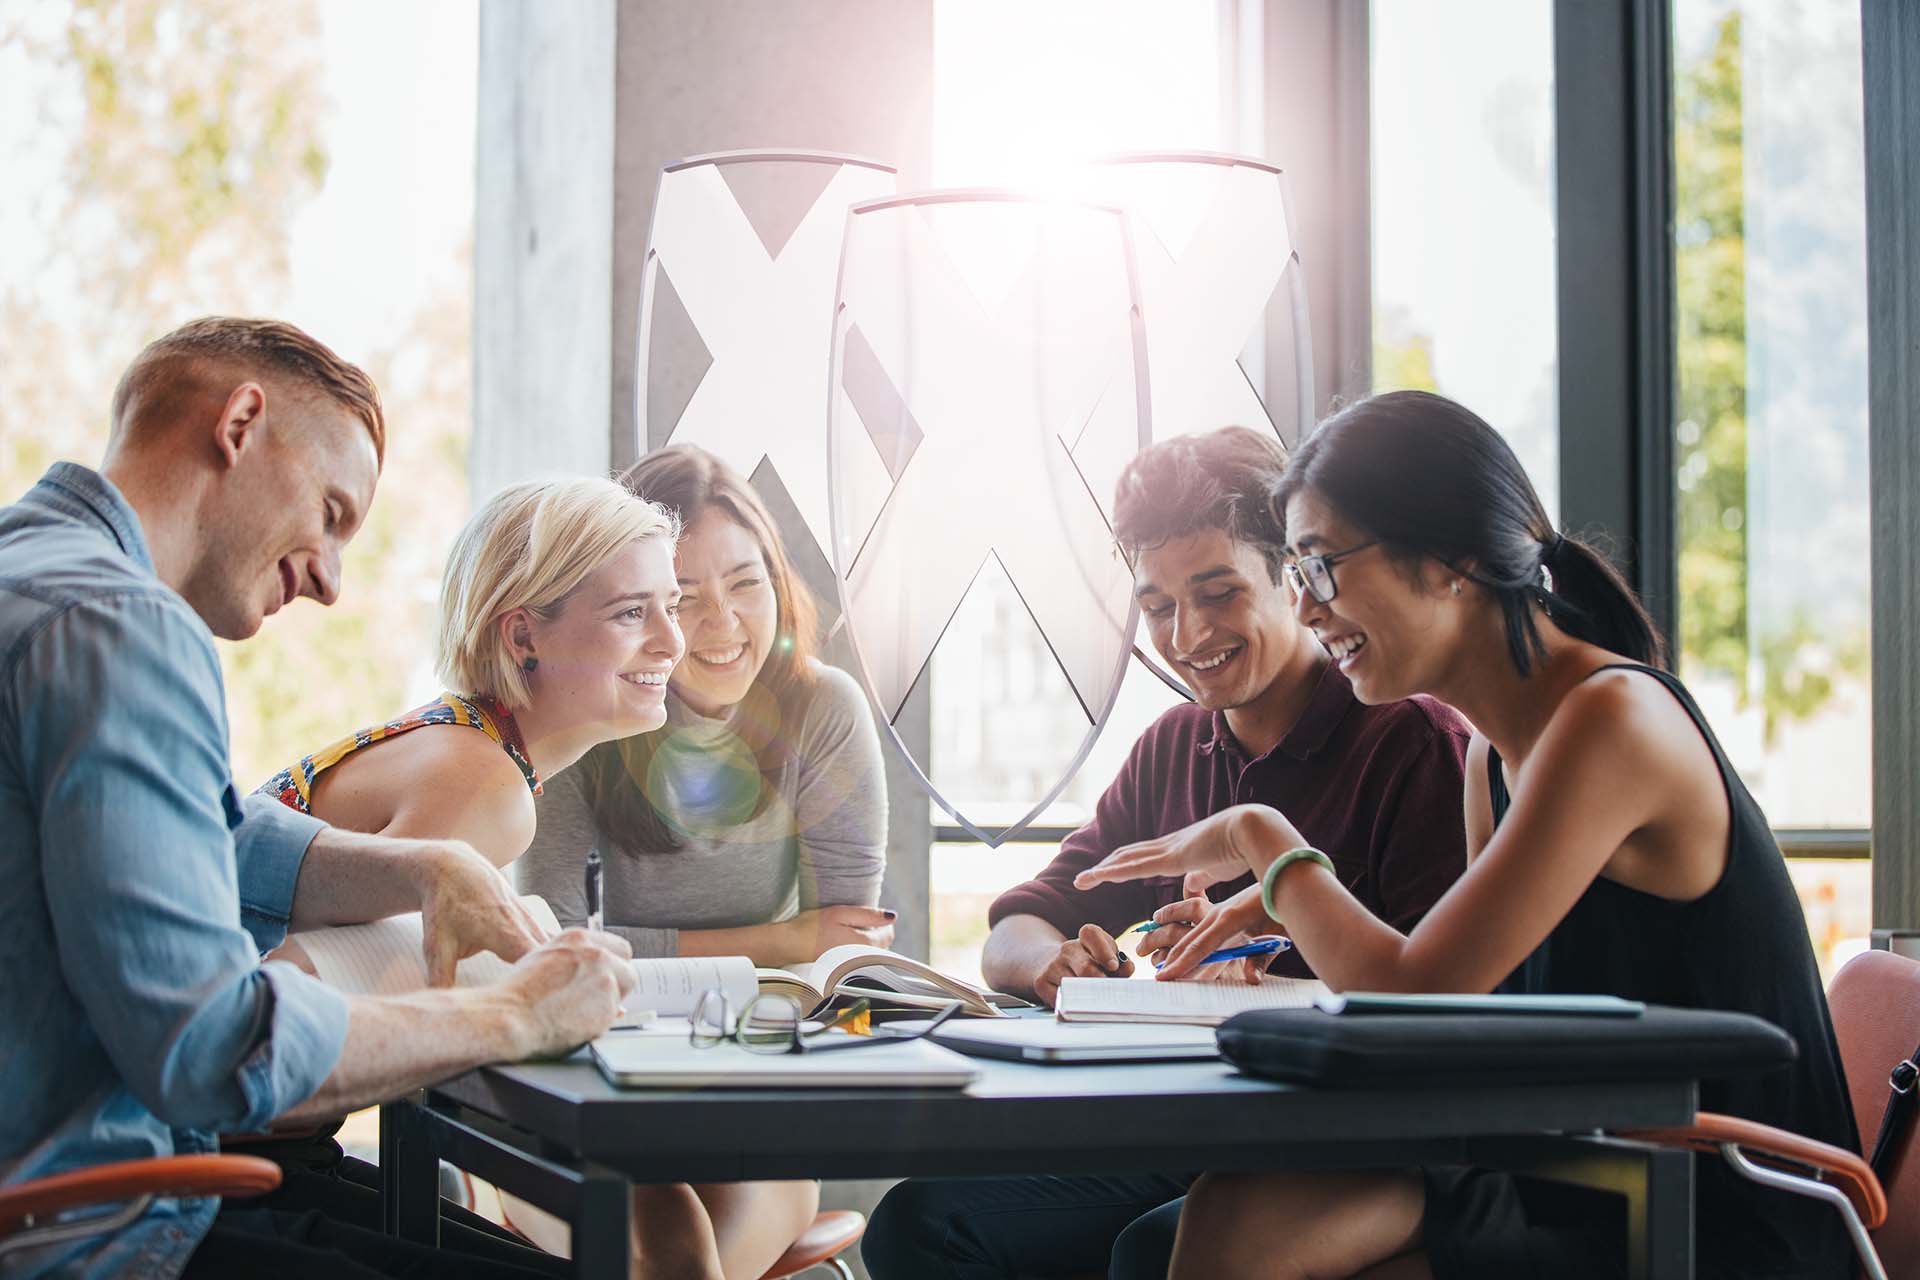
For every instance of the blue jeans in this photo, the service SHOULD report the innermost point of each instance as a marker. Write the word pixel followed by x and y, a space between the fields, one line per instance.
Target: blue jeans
pixel 999 1228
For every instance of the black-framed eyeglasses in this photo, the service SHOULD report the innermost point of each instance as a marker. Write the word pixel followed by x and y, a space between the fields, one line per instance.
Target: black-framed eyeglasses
pixel 1314 574
pixel 772 1023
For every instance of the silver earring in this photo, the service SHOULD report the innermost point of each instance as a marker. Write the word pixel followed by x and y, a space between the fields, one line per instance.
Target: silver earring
pixel 1456 586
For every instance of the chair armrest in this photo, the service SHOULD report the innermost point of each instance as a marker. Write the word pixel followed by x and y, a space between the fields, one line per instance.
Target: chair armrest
pixel 1847 1172
pixel 41 1198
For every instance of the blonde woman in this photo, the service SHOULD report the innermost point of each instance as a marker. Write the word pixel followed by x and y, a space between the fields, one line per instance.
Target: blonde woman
pixel 557 632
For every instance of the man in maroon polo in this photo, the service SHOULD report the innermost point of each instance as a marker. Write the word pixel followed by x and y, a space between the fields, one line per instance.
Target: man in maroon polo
pixel 1273 722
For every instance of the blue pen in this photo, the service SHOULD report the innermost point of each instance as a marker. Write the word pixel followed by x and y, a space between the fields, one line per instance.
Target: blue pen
pixel 1258 947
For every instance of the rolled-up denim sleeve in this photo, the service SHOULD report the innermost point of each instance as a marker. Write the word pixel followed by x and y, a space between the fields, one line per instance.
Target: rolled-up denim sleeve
pixel 269 845
pixel 125 751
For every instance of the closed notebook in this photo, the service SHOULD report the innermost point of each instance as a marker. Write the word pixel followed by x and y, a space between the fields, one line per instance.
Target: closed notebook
pixel 1204 1004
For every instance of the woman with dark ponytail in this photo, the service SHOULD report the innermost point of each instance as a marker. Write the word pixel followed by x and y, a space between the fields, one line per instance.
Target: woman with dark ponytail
pixel 1611 849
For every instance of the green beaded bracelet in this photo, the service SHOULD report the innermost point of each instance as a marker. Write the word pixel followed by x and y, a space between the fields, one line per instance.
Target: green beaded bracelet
pixel 1280 864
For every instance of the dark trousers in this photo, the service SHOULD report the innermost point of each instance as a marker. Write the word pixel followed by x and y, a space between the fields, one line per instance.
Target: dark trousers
pixel 981 1228
pixel 324 1223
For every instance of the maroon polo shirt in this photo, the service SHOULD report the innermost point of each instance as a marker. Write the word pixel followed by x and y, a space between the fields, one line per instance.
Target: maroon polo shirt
pixel 1377 788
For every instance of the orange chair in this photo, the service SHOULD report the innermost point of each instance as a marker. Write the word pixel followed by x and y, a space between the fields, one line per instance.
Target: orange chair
pixel 25 1209
pixel 1875 1000
pixel 829 1235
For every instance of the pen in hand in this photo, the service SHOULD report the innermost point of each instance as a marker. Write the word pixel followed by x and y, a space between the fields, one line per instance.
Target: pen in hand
pixel 1254 947
pixel 595 877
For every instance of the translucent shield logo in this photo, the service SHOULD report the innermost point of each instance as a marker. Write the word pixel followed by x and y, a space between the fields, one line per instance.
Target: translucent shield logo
pixel 984 344
pixel 1213 237
pixel 1215 248
pixel 735 312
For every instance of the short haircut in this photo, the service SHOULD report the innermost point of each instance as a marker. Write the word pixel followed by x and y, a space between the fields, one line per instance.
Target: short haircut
pixel 530 547
pixel 1220 480
pixel 269 349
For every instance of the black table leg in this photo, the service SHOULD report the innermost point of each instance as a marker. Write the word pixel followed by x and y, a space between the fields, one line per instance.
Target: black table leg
pixel 409 1176
pixel 1657 1184
pixel 602 1236
pixel 1660 1218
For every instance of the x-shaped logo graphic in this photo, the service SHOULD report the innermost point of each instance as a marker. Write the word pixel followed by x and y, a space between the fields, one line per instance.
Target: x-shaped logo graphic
pixel 760 311
pixel 989 396
pixel 1212 242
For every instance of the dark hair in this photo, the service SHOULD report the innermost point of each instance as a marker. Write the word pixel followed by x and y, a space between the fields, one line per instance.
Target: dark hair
pixel 263 348
pixel 619 775
pixel 1219 480
pixel 1429 477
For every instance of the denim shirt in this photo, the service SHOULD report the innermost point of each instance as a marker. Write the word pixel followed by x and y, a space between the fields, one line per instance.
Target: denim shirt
pixel 137 890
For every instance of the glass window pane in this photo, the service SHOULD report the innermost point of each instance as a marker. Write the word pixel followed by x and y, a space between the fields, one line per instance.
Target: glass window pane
pixel 1464 296
pixel 1771 428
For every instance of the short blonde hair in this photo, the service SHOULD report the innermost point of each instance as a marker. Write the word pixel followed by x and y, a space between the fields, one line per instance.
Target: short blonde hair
pixel 529 547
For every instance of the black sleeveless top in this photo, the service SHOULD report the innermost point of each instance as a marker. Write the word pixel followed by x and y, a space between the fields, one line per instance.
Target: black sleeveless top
pixel 1741 946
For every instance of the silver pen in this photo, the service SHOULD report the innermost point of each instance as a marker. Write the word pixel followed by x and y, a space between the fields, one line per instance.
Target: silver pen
pixel 595 883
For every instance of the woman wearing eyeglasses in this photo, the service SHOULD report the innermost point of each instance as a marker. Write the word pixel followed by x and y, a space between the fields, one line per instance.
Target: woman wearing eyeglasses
pixel 1611 849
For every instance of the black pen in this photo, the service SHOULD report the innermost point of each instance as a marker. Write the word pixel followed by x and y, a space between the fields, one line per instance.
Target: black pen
pixel 595 916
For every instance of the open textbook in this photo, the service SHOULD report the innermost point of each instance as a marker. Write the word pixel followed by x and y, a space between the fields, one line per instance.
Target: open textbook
pixel 1199 1003
pixel 384 957
pixel 884 976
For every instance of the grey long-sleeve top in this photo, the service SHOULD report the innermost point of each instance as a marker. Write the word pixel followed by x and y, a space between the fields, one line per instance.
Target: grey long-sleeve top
pixel 819 839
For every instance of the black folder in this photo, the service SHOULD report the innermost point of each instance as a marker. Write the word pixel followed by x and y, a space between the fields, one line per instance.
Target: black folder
pixel 1409 1051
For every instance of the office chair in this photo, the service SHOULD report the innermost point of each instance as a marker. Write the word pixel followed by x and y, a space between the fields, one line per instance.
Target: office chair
pixel 829 1235
pixel 30 1211
pixel 1875 999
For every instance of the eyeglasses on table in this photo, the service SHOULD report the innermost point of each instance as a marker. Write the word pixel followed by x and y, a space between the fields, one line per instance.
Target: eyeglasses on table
pixel 771 1023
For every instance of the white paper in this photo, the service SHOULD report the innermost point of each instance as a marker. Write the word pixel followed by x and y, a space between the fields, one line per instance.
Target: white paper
pixel 385 957
pixel 1199 1003
pixel 672 985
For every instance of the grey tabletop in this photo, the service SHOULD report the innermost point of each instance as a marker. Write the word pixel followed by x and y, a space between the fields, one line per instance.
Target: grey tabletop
pixel 1021 1117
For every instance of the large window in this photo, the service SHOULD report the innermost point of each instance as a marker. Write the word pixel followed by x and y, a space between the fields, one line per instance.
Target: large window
pixel 1771 429
pixel 302 160
pixel 1464 301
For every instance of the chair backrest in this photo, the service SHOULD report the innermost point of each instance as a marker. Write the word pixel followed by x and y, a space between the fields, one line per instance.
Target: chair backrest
pixel 1875 1000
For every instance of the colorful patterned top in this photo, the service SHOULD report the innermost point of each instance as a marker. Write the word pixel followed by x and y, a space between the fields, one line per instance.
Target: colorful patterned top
pixel 294 786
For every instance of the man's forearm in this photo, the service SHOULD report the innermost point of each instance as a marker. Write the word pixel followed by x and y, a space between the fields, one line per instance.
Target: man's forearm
pixel 1016 951
pixel 399 1043
pixel 349 878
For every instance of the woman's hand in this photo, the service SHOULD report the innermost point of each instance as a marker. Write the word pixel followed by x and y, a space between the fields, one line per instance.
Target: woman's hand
pixel 1222 847
pixel 1231 923
pixel 1217 925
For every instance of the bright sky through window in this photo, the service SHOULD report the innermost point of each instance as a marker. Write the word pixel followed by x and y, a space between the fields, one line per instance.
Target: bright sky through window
pixel 1024 91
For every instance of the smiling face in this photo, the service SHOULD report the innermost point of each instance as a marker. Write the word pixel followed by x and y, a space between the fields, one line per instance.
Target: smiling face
pixel 728 609
pixel 605 655
pixel 1219 620
pixel 284 511
pixel 1393 630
